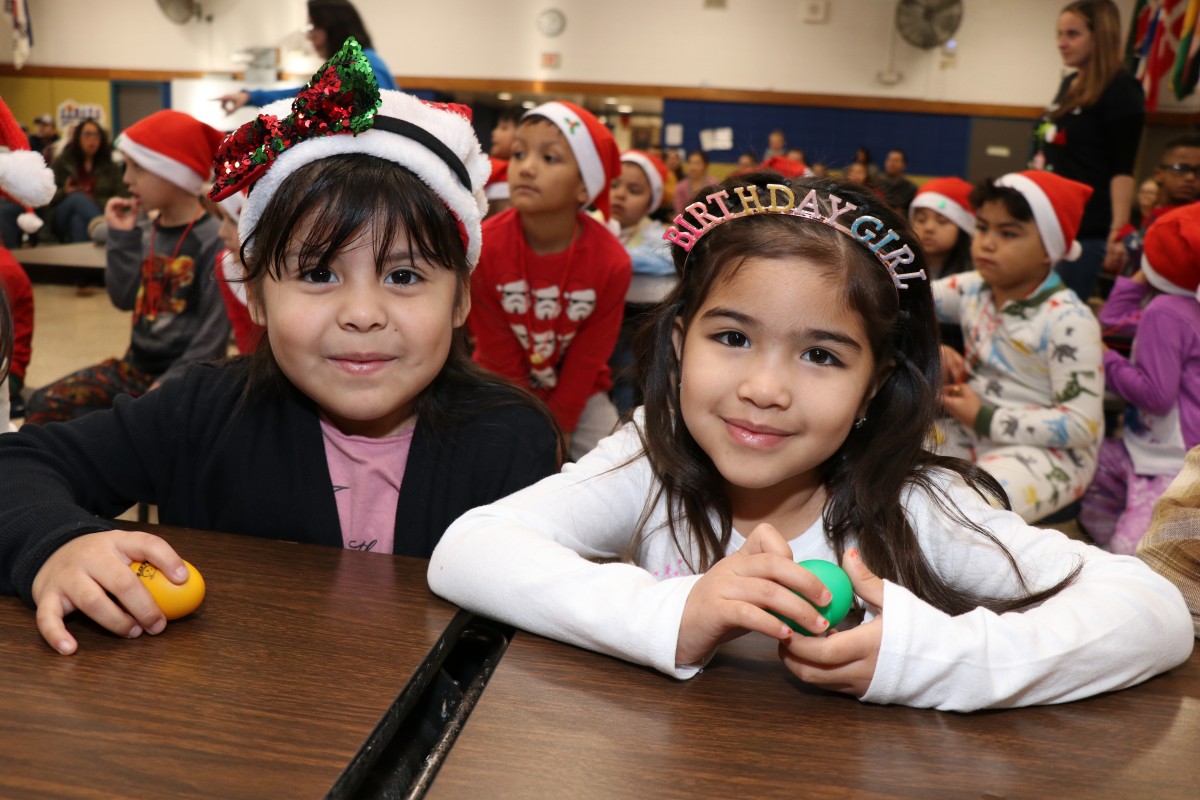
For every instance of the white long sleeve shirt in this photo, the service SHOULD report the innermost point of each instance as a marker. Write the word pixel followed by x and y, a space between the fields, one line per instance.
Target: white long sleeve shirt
pixel 525 560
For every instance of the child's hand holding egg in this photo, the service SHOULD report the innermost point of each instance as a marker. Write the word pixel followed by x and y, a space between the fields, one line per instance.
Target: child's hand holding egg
pixel 175 600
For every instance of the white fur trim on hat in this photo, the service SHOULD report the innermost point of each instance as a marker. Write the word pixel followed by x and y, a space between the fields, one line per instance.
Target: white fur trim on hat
pixel 1155 279
pixel 498 190
pixel 1044 216
pixel 591 168
pixel 454 130
pixel 164 166
pixel 25 178
pixel 656 184
pixel 948 208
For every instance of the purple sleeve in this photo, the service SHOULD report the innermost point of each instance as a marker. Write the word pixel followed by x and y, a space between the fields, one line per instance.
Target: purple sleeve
pixel 1152 384
pixel 1124 303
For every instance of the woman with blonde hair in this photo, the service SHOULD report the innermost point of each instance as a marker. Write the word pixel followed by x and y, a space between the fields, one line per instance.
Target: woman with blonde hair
pixel 1090 133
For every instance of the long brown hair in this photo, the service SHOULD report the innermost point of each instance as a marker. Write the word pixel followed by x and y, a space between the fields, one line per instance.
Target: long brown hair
pixel 879 465
pixel 325 204
pixel 1104 22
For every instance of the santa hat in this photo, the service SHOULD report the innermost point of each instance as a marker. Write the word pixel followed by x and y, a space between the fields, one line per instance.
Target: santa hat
pixel 343 111
pixel 950 197
pixel 1171 251
pixel 497 182
pixel 175 146
pixel 24 176
pixel 787 167
pixel 1057 204
pixel 594 147
pixel 655 169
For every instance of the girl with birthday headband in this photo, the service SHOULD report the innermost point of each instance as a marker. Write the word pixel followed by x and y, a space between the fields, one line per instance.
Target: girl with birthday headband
pixel 791 381
pixel 359 421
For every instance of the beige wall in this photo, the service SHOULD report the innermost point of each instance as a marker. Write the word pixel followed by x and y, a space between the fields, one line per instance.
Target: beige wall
pixel 1005 54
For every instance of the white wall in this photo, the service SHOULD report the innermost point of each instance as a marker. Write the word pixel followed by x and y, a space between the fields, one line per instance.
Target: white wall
pixel 1006 52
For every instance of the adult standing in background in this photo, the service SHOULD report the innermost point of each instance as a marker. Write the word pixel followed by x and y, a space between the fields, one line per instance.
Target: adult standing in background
pixel 1090 133
pixel 330 22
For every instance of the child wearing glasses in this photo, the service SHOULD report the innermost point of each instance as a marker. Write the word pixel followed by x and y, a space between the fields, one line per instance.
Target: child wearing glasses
pixel 1178 179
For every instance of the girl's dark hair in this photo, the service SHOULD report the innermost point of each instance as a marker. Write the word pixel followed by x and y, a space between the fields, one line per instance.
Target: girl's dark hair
pixel 326 204
pixel 511 114
pixel 959 258
pixel 340 20
pixel 1014 202
pixel 703 155
pixel 73 150
pixel 872 473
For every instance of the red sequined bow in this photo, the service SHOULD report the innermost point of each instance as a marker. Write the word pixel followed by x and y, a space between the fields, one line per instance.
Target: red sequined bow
pixel 342 97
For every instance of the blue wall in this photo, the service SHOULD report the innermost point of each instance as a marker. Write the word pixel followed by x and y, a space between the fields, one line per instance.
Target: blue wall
pixel 936 144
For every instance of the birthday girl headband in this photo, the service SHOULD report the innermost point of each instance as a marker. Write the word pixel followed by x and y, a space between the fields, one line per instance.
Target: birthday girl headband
pixel 864 229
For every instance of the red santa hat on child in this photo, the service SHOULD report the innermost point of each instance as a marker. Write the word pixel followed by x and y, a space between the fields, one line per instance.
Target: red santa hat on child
pixel 594 147
pixel 787 167
pixel 497 182
pixel 950 197
pixel 1057 204
pixel 24 176
pixel 175 146
pixel 656 173
pixel 1171 252
pixel 342 111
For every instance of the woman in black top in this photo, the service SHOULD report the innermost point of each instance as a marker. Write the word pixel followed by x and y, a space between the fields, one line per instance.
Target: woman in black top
pixel 1090 133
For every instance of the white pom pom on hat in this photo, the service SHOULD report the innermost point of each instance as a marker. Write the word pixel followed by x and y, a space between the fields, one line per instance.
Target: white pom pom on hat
pixel 24 175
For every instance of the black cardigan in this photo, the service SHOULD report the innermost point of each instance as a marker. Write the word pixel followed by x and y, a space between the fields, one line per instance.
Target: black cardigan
pixel 258 470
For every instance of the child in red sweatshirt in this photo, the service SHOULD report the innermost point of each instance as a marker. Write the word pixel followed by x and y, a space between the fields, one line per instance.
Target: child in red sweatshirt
pixel 549 292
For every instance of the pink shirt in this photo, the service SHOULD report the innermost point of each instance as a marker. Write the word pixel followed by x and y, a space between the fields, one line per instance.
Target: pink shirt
pixel 366 475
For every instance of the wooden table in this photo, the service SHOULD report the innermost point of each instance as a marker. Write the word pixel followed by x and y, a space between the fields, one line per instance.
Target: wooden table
pixel 268 690
pixel 556 721
pixel 81 262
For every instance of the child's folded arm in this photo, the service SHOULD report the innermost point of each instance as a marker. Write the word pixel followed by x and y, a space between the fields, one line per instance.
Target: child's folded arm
pixel 60 480
pixel 1117 614
pixel 1124 300
pixel 528 560
pixel 1153 383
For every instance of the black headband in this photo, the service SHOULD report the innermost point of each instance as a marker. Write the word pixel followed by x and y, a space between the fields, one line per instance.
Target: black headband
pixel 428 140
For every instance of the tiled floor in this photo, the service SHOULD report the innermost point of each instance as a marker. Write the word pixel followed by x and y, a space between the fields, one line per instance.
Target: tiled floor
pixel 71 331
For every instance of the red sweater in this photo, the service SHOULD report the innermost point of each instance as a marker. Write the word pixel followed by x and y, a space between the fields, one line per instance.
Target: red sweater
pixel 515 291
pixel 20 300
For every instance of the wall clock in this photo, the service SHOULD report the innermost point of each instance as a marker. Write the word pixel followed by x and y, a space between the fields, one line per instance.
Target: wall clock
pixel 551 22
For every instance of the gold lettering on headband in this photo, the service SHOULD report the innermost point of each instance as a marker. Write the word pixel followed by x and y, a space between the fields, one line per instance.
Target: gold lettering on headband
pixel 866 229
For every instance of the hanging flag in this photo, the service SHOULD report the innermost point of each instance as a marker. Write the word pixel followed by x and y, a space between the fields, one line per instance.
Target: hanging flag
pixel 1137 43
pixel 1159 47
pixel 1187 59
pixel 22 33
